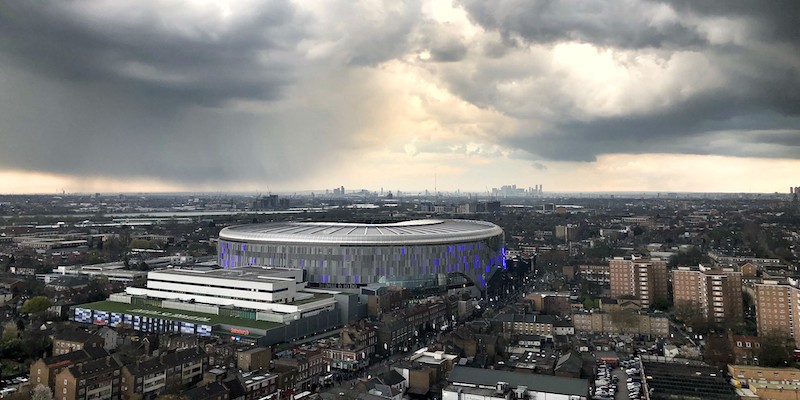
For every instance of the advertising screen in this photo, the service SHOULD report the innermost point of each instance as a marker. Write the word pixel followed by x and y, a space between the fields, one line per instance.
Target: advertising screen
pixel 100 317
pixel 187 327
pixel 83 315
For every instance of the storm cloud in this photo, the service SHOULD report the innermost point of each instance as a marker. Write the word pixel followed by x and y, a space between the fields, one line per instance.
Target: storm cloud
pixel 275 91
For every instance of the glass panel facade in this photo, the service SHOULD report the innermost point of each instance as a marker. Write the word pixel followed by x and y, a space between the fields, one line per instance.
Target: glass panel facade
pixel 351 265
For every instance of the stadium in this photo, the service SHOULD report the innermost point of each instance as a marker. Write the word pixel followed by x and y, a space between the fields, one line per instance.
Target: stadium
pixel 412 254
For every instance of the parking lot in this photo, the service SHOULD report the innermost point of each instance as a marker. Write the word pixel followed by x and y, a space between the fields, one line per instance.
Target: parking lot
pixel 622 388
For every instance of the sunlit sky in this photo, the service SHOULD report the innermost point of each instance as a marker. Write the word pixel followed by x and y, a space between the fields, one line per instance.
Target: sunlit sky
pixel 281 96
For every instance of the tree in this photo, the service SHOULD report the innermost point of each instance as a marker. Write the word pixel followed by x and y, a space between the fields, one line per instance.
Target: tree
pixel 41 392
pixel 718 351
pixel 661 303
pixel 624 320
pixel 36 305
pixel 776 349
pixel 688 312
pixel 10 332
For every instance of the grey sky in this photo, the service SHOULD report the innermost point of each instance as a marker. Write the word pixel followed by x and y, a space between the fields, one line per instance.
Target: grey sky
pixel 280 92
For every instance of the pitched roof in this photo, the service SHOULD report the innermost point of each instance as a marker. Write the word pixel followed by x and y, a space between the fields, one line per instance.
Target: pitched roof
pixel 391 378
pixel 94 367
pixel 534 382
pixel 182 356
pixel 207 391
pixel 75 357
pixel 569 362
pixel 74 336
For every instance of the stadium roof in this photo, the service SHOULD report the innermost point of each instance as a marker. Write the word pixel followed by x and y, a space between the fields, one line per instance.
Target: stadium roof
pixel 427 231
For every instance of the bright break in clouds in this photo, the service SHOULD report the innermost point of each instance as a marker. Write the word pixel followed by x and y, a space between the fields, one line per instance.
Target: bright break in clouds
pixel 306 94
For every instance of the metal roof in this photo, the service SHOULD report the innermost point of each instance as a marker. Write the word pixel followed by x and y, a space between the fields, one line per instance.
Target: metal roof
pixel 426 231
pixel 534 382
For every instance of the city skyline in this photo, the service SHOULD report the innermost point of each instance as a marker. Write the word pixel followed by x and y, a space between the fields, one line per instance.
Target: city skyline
pixel 281 96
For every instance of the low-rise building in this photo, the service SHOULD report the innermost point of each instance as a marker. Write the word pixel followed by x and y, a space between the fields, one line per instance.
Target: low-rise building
pixel 309 365
pixel 748 374
pixel 621 321
pixel 354 348
pixel 526 324
pixel 44 370
pixel 69 341
pixel 253 358
pixel 96 379
pixel 484 384
pixel 259 386
pixel 170 370
pixel 212 391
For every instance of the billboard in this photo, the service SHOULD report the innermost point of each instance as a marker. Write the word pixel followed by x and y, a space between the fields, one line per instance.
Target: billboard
pixel 83 315
pixel 116 319
pixel 187 327
pixel 204 330
pixel 100 317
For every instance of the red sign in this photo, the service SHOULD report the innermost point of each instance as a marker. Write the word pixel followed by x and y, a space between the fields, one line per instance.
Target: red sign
pixel 240 331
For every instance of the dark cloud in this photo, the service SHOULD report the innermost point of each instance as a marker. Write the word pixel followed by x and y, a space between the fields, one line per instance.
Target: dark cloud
pixel 774 20
pixel 145 53
pixel 605 23
pixel 131 89
pixel 448 52
pixel 271 91
pixel 757 103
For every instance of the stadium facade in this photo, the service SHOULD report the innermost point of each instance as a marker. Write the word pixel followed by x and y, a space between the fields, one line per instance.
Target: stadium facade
pixel 415 253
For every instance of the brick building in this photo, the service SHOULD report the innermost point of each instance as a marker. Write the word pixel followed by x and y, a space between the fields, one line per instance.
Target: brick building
pixel 642 279
pixel 96 379
pixel 69 341
pixel 777 308
pixel 170 370
pixel 354 348
pixel 44 370
pixel 254 358
pixel 717 293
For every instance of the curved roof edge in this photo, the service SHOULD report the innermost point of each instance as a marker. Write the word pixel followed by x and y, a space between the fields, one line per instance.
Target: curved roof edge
pixel 427 231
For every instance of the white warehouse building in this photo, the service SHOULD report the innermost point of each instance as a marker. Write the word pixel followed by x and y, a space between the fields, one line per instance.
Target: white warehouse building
pixel 274 294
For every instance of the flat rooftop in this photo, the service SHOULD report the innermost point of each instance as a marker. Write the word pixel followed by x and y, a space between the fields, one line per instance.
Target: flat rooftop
pixel 680 381
pixel 249 274
pixel 534 382
pixel 178 315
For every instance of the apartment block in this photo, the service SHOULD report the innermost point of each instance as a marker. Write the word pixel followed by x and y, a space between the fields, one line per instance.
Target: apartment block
pixel 635 323
pixel 155 375
pixel 638 278
pixel 598 274
pixel 526 324
pixel 717 293
pixel 777 308
pixel 96 379
pixel 44 370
